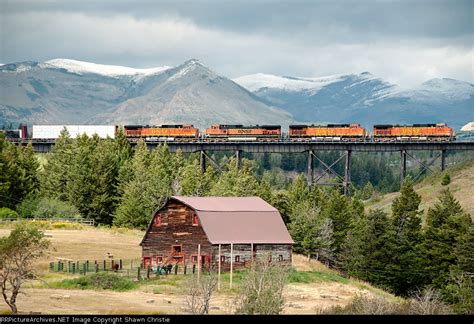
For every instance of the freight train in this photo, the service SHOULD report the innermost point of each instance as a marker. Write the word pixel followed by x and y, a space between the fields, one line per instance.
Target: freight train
pixel 222 132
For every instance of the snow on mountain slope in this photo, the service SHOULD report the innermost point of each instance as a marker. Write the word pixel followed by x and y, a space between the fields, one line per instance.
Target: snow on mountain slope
pixel 469 127
pixel 255 82
pixel 80 67
pixel 439 90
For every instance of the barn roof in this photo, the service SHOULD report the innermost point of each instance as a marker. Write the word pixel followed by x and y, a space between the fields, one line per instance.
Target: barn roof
pixel 238 220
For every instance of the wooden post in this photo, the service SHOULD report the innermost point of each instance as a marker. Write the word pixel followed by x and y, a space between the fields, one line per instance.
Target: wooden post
pixel 199 260
pixel 219 270
pixel 87 266
pixel 104 264
pixel 251 251
pixel 231 263
pixel 121 264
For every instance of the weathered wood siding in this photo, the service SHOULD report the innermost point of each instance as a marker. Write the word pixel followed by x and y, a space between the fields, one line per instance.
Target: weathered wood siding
pixel 176 229
pixel 279 253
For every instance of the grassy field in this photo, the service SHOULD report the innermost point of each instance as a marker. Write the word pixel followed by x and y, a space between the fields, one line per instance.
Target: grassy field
pixel 311 286
pixel 462 179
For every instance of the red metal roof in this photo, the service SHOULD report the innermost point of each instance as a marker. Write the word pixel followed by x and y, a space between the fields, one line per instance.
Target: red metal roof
pixel 238 220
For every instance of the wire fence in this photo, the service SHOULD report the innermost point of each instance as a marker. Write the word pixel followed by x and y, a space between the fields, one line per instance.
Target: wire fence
pixel 133 268
pixel 82 221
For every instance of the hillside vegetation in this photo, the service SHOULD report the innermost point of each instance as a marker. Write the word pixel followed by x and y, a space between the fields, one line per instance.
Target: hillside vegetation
pixel 462 179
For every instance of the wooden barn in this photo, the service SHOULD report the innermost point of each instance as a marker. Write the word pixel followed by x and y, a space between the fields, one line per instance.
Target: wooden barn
pixel 220 231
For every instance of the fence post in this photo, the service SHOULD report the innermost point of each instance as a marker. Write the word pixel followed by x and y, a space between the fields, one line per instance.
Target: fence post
pixel 104 264
pixel 176 269
pixel 51 266
pixel 87 266
pixel 84 267
pixel 74 268
pixel 194 268
pixel 148 270
pixel 120 264
pixel 184 270
pixel 112 263
pixel 69 266
pixel 138 273
pixel 96 267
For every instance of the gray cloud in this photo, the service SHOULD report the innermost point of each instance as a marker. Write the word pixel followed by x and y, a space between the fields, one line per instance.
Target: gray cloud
pixel 404 41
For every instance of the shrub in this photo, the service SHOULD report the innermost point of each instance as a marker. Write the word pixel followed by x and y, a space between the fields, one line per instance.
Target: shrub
pixel 7 213
pixel 101 280
pixel 32 207
pixel 446 179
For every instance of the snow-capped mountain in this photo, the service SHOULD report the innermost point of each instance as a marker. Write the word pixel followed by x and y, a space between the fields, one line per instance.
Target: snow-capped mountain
pixel 81 68
pixel 70 92
pixel 364 98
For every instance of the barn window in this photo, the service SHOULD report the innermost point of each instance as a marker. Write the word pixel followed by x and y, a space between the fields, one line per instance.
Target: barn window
pixel 280 258
pixel 146 262
pixel 222 259
pixel 159 259
pixel 158 220
pixel 195 220
pixel 237 258
pixel 194 259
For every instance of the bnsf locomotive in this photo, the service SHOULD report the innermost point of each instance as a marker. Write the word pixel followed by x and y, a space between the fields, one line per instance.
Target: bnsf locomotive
pixel 423 132
pixel 240 132
pixel 158 132
pixel 330 131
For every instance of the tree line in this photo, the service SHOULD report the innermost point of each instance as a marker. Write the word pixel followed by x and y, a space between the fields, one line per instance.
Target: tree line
pixel 105 180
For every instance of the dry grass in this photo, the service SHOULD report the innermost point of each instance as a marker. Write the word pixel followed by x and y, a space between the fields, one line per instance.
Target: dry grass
pixel 167 294
pixel 462 178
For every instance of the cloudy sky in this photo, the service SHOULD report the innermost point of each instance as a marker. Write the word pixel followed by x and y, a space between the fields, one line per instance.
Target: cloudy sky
pixel 405 42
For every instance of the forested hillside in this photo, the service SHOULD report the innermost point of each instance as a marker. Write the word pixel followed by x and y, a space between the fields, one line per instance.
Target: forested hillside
pixel 401 249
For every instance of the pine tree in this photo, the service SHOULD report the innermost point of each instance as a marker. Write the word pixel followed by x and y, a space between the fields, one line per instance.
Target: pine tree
pixel 324 241
pixel 337 208
pixel 133 209
pixel 235 182
pixel 298 192
pixel 406 268
pixel 446 223
pixel 264 189
pixel 56 172
pixel 459 291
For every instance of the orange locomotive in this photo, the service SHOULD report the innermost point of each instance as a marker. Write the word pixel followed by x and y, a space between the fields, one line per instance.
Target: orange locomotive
pixel 186 131
pixel 413 132
pixel 330 130
pixel 239 131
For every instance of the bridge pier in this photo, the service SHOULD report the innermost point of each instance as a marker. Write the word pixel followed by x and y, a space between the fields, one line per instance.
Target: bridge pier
pixel 309 168
pixel 347 173
pixel 238 156
pixel 202 160
pixel 403 165
pixel 443 160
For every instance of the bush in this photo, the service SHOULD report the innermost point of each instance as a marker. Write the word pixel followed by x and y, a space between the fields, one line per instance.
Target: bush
pixel 101 280
pixel 7 213
pixel 32 207
pixel 446 179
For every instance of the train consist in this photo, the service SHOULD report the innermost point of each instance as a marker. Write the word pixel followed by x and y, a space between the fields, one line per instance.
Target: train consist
pixel 220 132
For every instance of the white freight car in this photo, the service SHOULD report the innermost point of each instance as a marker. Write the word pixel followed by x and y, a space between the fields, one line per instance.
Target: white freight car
pixel 53 131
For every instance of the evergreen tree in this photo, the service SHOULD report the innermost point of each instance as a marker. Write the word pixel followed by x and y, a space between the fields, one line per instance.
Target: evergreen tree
pixel 235 182
pixel 460 288
pixel 337 208
pixel 56 172
pixel 446 223
pixel 298 192
pixel 406 268
pixel 133 210
pixel 264 189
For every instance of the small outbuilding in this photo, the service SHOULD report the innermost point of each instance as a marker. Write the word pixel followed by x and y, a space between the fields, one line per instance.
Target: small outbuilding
pixel 205 231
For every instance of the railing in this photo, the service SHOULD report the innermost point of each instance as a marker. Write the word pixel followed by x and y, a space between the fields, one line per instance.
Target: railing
pixel 82 221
